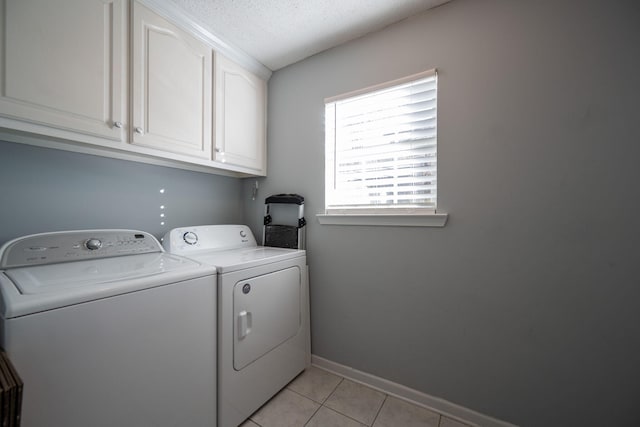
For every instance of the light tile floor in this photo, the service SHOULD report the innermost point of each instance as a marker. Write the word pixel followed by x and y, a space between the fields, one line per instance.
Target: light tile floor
pixel 317 398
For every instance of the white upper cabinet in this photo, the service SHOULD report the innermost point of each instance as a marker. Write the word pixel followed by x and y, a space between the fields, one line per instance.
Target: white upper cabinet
pixel 63 65
pixel 240 115
pixel 171 87
pixel 129 79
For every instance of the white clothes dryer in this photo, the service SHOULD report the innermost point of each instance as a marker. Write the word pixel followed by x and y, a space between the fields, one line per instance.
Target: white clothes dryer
pixel 106 329
pixel 263 314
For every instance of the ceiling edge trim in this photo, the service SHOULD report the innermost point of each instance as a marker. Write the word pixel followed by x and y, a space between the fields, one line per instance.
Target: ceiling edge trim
pixel 178 16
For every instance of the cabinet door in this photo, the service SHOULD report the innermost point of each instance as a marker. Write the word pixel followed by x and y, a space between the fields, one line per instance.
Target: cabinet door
pixel 63 64
pixel 240 116
pixel 171 87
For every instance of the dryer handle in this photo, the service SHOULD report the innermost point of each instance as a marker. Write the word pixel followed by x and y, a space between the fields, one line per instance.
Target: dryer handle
pixel 244 323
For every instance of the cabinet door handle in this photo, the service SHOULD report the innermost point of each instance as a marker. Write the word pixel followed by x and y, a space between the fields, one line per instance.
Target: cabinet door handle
pixel 118 125
pixel 138 130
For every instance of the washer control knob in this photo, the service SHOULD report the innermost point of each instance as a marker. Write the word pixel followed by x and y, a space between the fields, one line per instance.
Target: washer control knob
pixel 93 244
pixel 190 238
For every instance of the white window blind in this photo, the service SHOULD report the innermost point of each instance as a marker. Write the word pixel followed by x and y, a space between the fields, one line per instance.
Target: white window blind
pixel 381 151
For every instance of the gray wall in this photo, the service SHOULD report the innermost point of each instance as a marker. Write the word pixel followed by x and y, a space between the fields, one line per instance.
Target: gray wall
pixel 526 306
pixel 50 190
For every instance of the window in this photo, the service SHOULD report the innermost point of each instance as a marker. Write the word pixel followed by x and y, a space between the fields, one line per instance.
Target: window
pixel 381 150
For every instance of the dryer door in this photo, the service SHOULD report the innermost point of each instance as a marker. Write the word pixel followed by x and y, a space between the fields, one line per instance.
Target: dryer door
pixel 267 313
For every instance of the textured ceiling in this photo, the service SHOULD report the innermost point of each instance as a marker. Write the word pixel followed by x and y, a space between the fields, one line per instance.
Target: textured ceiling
pixel 280 32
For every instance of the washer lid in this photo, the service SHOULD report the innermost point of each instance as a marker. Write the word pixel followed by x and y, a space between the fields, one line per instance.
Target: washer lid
pixel 28 290
pixel 237 259
pixel 106 271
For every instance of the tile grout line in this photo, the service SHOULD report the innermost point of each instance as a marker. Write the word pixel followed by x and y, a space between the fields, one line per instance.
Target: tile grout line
pixel 312 399
pixel 335 410
pixel 301 395
pixel 256 423
pixel 333 391
pixel 312 415
pixel 348 416
pixel 386 396
pixel 345 415
pixel 320 404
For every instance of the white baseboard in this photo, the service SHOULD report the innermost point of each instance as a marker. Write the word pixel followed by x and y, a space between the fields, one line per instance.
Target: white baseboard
pixel 442 406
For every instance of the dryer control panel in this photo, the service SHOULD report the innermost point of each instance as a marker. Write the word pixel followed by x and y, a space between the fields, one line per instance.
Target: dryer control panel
pixel 65 246
pixel 185 240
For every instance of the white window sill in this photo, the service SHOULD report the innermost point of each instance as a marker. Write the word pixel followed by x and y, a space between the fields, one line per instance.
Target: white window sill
pixel 430 220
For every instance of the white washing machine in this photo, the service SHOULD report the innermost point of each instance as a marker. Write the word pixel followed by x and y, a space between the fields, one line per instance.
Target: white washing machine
pixel 263 314
pixel 106 329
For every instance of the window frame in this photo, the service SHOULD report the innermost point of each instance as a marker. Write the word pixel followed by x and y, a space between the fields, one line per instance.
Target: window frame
pixel 387 215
